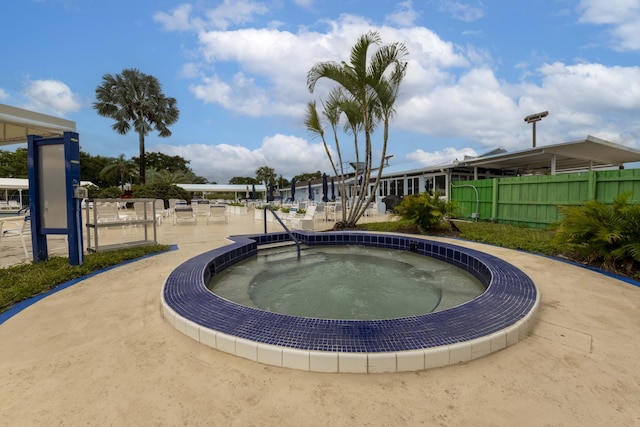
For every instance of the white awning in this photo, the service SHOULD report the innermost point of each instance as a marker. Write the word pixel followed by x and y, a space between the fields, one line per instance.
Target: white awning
pixel 23 183
pixel 16 124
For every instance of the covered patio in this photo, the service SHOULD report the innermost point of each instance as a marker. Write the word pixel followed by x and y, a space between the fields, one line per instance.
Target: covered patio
pixel 16 124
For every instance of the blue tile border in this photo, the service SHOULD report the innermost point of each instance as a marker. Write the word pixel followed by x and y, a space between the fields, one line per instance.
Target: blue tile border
pixel 509 298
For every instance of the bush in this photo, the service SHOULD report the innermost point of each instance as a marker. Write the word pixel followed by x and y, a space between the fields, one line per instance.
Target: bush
pixel 161 191
pixel 425 210
pixel 108 193
pixel 609 234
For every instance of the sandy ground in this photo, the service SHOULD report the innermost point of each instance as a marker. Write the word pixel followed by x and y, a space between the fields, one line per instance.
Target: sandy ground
pixel 100 354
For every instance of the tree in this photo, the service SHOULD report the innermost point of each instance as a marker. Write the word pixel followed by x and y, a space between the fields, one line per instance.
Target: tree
pixel 14 164
pixel 91 166
pixel 309 176
pixel 266 175
pixel 243 180
pixel 135 100
pixel 364 96
pixel 121 167
pixel 161 161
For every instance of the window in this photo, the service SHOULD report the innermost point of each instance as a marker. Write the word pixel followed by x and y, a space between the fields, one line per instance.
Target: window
pixel 414 186
pixel 384 188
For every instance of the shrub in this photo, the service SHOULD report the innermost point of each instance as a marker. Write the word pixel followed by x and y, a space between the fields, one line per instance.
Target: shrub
pixel 424 210
pixel 609 234
pixel 108 193
pixel 161 191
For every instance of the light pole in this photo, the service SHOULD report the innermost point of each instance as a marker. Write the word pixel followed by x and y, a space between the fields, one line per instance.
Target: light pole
pixel 533 118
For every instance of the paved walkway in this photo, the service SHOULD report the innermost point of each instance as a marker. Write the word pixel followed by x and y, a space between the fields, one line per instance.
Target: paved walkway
pixel 99 353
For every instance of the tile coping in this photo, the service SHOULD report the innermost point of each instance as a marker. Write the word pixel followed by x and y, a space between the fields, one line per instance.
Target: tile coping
pixel 499 317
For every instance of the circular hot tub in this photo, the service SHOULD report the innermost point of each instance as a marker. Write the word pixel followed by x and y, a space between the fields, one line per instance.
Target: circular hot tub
pixel 501 316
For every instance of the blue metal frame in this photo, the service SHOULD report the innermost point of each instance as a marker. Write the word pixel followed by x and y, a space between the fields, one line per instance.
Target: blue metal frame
pixel 73 230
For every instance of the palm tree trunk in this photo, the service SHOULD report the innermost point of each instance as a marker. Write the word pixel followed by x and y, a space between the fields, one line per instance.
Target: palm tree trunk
pixel 142 159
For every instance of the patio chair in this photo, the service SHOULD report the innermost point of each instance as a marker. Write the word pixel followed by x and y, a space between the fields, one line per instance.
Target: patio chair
pixel 175 202
pixel 217 212
pixel 140 207
pixel 184 214
pixel 200 209
pixel 372 209
pixel 109 212
pixel 18 228
pixel 161 209
pixel 333 211
pixel 306 222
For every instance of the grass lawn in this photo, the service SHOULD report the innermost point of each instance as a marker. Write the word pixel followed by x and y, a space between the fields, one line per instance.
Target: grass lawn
pixel 23 281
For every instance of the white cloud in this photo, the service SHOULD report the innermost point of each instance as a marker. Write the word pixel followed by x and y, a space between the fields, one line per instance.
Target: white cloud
pixel 446 156
pixel 177 20
pixel 474 106
pixel 304 3
pixel 621 16
pixel 3 94
pixel 228 13
pixel 449 91
pixel 404 16
pixel 288 155
pixel 273 64
pixel 235 12
pixel 51 96
pixel 462 11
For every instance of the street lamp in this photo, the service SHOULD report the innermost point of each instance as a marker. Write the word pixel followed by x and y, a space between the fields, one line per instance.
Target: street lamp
pixel 533 118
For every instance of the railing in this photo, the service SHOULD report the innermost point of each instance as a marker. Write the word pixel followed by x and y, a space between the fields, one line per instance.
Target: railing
pixel 283 226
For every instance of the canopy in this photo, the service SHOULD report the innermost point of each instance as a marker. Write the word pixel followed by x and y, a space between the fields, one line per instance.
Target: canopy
pixel 16 124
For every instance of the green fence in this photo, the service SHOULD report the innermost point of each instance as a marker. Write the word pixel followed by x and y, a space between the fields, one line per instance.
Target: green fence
pixel 533 200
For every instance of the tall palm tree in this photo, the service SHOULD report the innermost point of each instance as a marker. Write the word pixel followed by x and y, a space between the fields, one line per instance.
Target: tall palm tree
pixel 135 100
pixel 365 94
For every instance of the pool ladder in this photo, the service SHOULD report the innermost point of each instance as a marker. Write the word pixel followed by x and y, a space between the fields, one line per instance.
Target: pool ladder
pixel 283 226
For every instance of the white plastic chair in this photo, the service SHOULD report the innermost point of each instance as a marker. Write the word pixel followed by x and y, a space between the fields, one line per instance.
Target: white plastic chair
pixel 109 212
pixel 306 222
pixel 10 229
pixel 217 212
pixel 201 209
pixel 140 207
pixel 184 214
pixel 160 208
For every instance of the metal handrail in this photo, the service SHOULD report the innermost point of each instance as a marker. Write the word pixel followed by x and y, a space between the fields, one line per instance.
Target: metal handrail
pixel 476 215
pixel 283 226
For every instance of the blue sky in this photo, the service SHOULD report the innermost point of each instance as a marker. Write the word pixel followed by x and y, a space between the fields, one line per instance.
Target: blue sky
pixel 238 72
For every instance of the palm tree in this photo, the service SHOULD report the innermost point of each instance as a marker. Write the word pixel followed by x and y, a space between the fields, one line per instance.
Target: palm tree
pixel 365 95
pixel 123 167
pixel 266 175
pixel 134 99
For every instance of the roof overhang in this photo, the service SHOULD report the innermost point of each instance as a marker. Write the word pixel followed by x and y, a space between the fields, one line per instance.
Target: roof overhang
pixel 16 124
pixel 221 188
pixel 590 153
pixel 23 183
